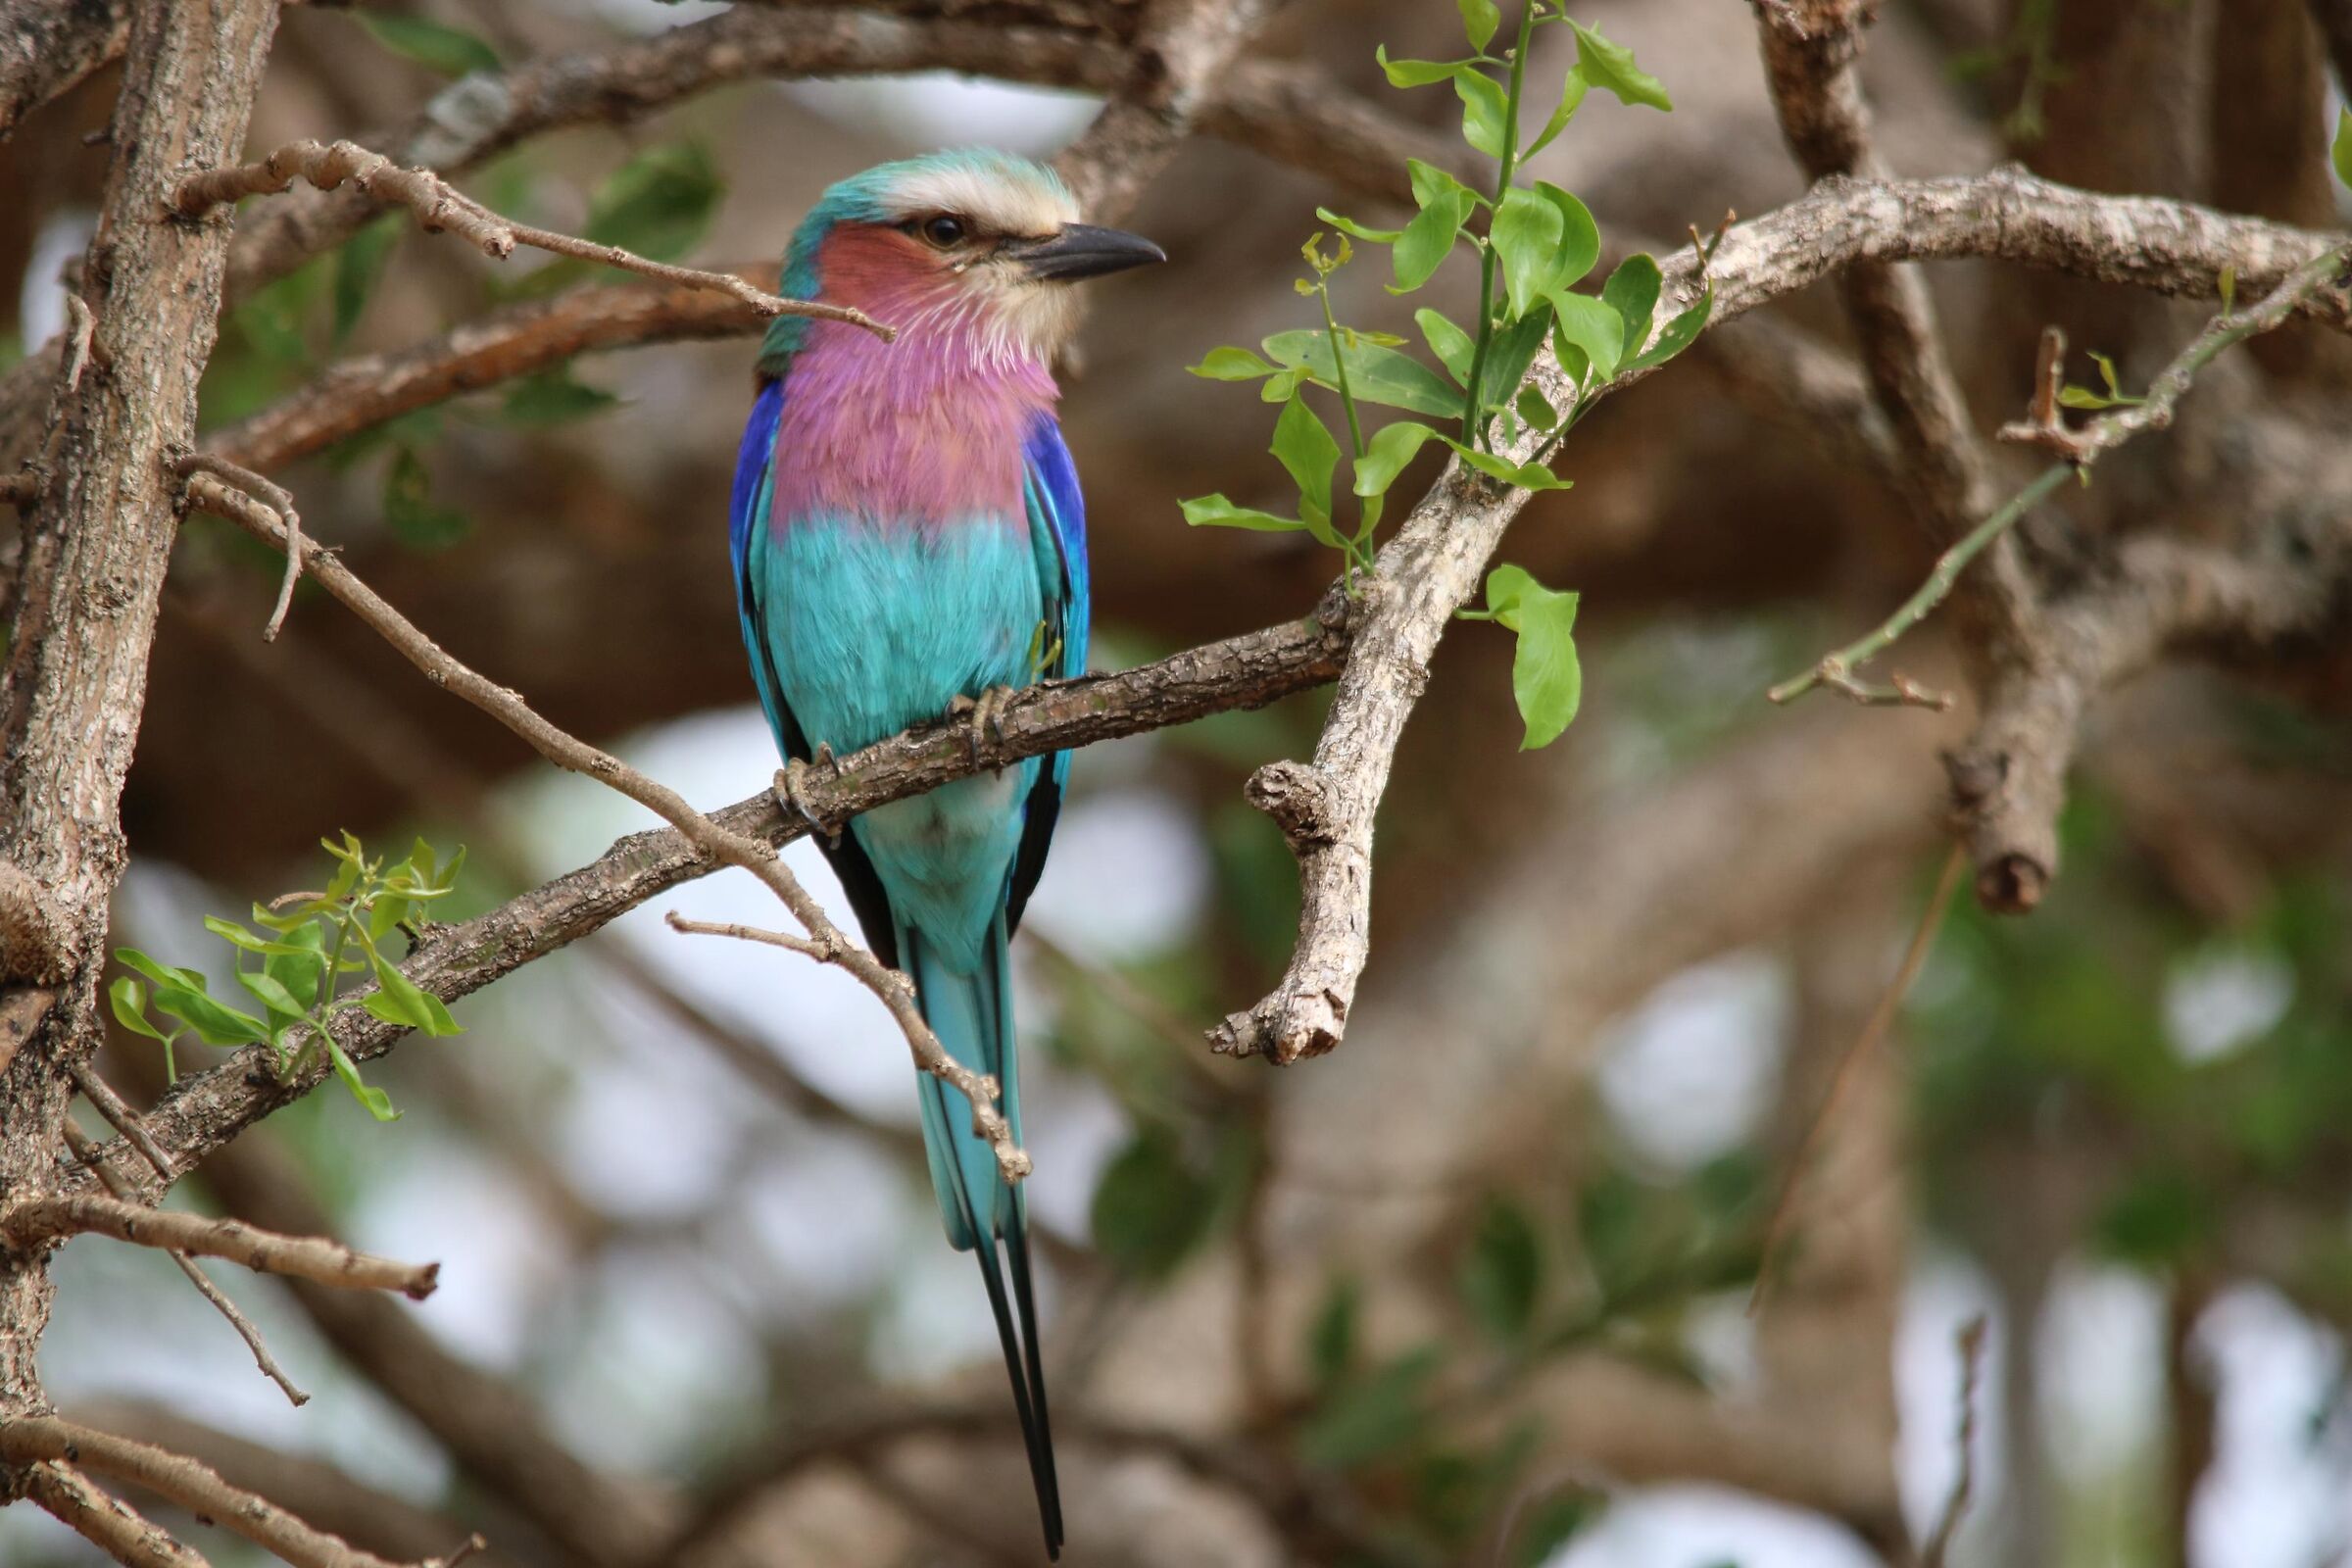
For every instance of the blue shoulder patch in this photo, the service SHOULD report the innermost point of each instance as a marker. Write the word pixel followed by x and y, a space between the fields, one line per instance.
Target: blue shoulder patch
pixel 1055 485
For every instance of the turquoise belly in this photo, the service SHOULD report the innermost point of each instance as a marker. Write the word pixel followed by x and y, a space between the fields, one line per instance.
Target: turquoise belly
pixel 876 628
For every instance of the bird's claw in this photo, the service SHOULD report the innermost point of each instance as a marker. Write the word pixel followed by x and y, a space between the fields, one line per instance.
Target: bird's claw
pixel 792 788
pixel 986 720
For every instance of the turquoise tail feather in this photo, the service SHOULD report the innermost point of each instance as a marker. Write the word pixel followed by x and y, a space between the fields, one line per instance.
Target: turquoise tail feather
pixel 971 1013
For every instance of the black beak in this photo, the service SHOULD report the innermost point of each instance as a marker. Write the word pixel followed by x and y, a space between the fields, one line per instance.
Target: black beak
pixel 1081 250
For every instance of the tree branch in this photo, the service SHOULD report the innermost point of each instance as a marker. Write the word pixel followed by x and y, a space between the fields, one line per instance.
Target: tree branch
pixel 197 1487
pixel 112 1526
pixel 85 1148
pixel 721 843
pixel 53 1216
pixel 440 206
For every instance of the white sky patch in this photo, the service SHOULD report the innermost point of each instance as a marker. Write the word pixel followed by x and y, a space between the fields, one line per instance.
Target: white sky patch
pixel 2099 1351
pixel 1687 1074
pixel 663 1362
pixel 830 1213
pixel 936 109
pixel 2277 1494
pixel 1945 1291
pixel 2218 1002
pixel 1128 876
pixel 1667 1526
pixel 41 298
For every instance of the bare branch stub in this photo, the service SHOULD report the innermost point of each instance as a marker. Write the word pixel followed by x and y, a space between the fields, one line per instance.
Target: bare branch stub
pixel 54 1216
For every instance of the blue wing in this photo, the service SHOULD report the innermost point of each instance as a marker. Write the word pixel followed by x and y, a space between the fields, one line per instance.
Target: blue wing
pixel 1057 532
pixel 747 538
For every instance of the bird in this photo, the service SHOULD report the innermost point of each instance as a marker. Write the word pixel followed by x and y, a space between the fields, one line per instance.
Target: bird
pixel 909 540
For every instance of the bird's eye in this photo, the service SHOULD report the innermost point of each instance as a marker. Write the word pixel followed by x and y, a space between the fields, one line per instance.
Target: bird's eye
pixel 943 230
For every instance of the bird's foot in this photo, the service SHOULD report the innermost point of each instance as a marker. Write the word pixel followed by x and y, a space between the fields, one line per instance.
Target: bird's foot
pixel 792 788
pixel 985 717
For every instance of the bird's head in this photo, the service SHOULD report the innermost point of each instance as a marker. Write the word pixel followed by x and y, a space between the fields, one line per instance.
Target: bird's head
pixel 972 240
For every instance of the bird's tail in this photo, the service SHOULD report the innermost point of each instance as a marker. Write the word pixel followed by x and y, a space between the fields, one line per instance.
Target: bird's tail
pixel 973 1015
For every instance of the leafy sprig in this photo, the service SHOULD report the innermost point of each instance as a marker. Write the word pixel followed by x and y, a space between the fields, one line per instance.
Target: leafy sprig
pixel 313 940
pixel 1535 243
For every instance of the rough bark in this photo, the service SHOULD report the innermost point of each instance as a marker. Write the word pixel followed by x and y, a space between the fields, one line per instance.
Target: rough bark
pixel 95 557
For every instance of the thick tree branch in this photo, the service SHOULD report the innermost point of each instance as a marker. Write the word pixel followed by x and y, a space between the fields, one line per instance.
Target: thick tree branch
pixel 47 47
pixel 113 1527
pixel 197 1487
pixel 53 1216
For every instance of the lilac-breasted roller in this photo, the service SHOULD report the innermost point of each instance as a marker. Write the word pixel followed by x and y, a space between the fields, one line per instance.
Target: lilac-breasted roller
pixel 907 530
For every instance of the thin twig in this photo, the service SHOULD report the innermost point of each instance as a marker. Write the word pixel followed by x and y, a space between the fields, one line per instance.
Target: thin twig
pixel 568 751
pixel 276 496
pixel 438 205
pixel 821 952
pixel 51 1217
pixel 1835 670
pixel 2077 451
pixel 124 1120
pixel 1882 1017
pixel 1971 1345
pixel 85 1148
pixel 105 1522
pixel 195 1487
pixel 2044 429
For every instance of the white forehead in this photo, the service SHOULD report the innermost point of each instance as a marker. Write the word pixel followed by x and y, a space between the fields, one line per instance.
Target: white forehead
pixel 1005 197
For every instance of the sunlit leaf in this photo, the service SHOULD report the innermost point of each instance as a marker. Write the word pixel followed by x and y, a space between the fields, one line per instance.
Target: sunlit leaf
pixel 1580 236
pixel 1572 98
pixel 1216 512
pixel 1526 236
pixel 1547 678
pixel 1451 344
pixel 1391 448
pixel 1486 110
pixel 1610 67
pixel 1480 19
pixel 1632 291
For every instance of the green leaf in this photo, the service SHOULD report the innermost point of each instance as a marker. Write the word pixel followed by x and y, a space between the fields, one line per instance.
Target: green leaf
pixel 301 968
pixel 1363 1421
pixel 1230 364
pixel 1503 1274
pixel 378 1103
pixel 1480 19
pixel 1449 343
pixel 1610 65
pixel 555 396
pixel 1485 109
pixel 1547 681
pixel 1375 375
pixel 1632 291
pixel 270 992
pixel 1331 1338
pixel 1596 331
pixel 1216 512
pixel 1580 236
pixel 1348 225
pixel 237 936
pixel 410 510
pixel 216 1023
pixel 398 1000
pixel 1151 1207
pixel 2340 154
pixel 128 999
pixel 658 204
pixel 1526 236
pixel 1536 409
pixel 450 51
pixel 1511 351
pixel 358 266
pixel 1303 446
pixel 1430 182
pixel 1419 72
pixel 1680 333
pixel 1278 388
pixel 1526 475
pixel 1427 240
pixel 163 974
pixel 1572 98
pixel 1391 448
